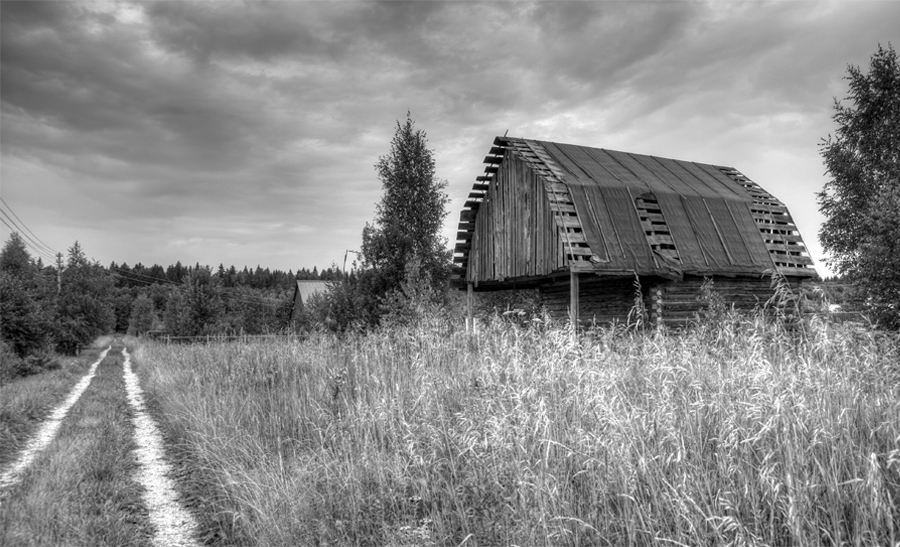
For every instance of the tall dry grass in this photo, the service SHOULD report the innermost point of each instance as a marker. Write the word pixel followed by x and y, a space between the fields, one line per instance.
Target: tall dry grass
pixel 740 432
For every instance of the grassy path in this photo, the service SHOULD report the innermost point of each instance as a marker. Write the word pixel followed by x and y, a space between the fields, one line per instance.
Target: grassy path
pixel 174 525
pixel 27 402
pixel 88 485
pixel 48 429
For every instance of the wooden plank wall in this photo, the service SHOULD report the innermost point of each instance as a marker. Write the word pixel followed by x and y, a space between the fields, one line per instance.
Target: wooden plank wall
pixel 515 232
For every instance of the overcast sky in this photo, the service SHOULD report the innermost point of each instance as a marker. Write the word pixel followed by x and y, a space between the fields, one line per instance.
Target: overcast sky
pixel 246 133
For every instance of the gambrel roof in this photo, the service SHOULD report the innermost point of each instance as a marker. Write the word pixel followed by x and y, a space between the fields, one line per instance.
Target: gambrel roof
pixel 620 213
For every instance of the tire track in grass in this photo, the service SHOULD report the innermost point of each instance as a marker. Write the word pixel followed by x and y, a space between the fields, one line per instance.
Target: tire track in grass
pixel 174 525
pixel 48 429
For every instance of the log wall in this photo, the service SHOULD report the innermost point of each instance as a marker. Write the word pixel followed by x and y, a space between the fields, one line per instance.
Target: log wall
pixel 600 299
pixel 605 300
pixel 680 300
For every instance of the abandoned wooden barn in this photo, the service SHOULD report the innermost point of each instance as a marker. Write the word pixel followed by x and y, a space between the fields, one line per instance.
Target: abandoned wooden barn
pixel 582 224
pixel 303 291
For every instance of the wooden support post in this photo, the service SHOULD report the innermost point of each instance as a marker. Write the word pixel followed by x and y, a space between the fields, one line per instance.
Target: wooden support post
pixel 573 298
pixel 470 309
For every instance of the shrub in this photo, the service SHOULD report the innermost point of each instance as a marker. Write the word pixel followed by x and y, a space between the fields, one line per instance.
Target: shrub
pixel 9 363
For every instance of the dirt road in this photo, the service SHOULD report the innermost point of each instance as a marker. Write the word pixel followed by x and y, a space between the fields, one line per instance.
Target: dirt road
pixel 95 471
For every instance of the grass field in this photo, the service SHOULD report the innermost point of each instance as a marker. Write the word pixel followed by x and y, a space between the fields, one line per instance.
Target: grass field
pixel 738 433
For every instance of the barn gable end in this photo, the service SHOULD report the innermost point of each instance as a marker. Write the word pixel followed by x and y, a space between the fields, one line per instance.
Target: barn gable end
pixel 303 290
pixel 589 221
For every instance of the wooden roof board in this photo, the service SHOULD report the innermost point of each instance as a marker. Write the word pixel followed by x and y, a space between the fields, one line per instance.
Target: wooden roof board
pixel 307 288
pixel 615 227
pixel 646 173
pixel 753 239
pixel 690 251
pixel 683 179
pixel 574 173
pixel 730 233
pixel 716 174
pixel 646 169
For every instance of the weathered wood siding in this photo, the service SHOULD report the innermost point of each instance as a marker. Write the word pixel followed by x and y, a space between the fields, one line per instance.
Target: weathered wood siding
pixel 601 299
pixel 515 233
pixel 674 302
pixel 680 300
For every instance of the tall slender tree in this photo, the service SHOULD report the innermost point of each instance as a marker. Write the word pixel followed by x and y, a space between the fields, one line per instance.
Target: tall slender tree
pixel 861 202
pixel 409 218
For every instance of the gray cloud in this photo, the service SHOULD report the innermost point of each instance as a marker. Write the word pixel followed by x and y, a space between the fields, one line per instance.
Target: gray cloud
pixel 244 132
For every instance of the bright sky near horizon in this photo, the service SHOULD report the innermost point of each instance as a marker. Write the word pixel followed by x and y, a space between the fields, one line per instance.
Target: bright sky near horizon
pixel 247 133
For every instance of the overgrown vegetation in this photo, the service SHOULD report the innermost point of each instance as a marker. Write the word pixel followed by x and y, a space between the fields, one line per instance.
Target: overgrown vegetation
pixel 861 203
pixel 739 431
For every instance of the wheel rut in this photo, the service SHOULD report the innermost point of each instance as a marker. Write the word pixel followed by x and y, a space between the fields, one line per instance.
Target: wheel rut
pixel 143 470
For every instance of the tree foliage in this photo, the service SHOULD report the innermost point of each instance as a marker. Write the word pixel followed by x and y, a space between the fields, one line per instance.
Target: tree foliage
pixel 409 218
pixel 195 308
pixel 14 258
pixel 85 307
pixel 27 300
pixel 143 316
pixel 861 202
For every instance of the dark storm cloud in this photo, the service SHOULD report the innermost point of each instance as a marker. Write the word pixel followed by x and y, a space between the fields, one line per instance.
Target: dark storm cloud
pixel 262 120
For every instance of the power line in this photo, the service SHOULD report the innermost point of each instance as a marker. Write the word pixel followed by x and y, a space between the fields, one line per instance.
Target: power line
pixel 30 242
pixel 47 247
pixel 37 250
pixel 45 251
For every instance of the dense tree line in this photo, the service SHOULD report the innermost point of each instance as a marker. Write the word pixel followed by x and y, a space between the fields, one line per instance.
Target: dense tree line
pixel 44 310
pixel 259 278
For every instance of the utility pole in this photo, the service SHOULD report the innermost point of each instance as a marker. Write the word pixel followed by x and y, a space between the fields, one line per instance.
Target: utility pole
pixel 59 271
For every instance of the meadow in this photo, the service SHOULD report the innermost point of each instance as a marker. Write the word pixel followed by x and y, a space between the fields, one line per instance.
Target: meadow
pixel 739 431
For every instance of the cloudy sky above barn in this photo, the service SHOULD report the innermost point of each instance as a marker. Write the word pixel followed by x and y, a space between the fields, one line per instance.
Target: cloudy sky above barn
pixel 246 133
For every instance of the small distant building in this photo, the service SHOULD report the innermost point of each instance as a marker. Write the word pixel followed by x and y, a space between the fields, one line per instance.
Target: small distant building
pixel 303 290
pixel 582 224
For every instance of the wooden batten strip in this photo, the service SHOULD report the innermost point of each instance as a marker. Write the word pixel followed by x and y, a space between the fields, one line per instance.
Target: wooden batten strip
pixel 564 221
pixel 559 207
